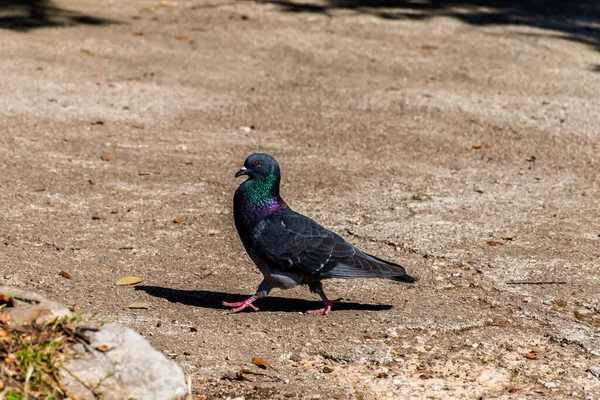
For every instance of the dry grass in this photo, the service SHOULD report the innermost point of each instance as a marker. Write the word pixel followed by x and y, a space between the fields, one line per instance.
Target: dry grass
pixel 32 356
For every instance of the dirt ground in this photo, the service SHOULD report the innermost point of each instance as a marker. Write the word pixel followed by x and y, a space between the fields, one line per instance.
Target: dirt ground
pixel 460 139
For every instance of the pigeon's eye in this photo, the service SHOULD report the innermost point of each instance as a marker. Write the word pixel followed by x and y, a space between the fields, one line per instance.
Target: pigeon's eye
pixel 256 163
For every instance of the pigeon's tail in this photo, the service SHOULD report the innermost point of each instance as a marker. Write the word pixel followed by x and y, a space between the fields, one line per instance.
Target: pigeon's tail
pixel 403 278
pixel 363 265
pixel 398 272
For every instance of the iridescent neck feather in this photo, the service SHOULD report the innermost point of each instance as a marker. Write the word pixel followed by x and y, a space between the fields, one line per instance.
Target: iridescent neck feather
pixel 260 196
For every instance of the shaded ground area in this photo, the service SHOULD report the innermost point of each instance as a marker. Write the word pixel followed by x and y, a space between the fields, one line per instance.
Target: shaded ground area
pixel 24 15
pixel 468 152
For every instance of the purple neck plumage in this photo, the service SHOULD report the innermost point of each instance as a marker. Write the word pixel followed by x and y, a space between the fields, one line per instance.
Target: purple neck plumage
pixel 252 213
pixel 258 198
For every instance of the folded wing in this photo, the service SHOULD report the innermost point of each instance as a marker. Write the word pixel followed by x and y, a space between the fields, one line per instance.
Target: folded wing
pixel 295 243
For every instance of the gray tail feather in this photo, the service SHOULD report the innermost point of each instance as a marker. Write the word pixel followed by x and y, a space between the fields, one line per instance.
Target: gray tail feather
pixel 406 278
pixel 403 278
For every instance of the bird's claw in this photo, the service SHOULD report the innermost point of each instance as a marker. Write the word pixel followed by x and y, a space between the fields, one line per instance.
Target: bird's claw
pixel 240 305
pixel 325 310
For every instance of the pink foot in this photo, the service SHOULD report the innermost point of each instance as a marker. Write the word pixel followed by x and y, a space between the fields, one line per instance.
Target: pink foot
pixel 240 305
pixel 325 310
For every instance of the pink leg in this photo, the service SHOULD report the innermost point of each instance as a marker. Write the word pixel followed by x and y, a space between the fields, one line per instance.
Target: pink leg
pixel 325 310
pixel 240 305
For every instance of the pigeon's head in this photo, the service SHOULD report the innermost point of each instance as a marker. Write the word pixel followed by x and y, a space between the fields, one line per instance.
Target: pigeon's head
pixel 258 166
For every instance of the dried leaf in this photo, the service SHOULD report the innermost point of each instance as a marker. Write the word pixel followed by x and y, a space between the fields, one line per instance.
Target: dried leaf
pixel 4 333
pixel 139 306
pixel 65 274
pixel 558 302
pixel 138 33
pixel 513 390
pixel 259 362
pixel 476 146
pixel 129 280
pixel 88 52
pixel 4 299
pixel 532 355
pixel 179 220
pixel 106 156
pixel 103 348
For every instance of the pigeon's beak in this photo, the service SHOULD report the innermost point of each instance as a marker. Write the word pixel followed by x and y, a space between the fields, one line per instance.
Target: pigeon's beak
pixel 241 172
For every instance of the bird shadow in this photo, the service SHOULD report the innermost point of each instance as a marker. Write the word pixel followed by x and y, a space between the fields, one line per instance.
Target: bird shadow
pixel 26 15
pixel 214 300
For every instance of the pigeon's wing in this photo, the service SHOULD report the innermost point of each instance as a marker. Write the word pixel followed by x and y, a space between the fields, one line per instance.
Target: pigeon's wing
pixel 295 243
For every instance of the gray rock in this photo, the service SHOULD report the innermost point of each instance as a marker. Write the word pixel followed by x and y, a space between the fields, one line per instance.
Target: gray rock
pixel 128 368
pixel 32 307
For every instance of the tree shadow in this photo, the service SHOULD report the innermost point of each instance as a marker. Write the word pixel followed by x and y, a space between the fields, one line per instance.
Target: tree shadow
pixel 25 15
pixel 578 21
pixel 208 299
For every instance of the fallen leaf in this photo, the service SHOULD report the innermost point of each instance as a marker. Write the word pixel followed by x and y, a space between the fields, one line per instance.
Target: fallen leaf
pixel 88 52
pixel 4 299
pixel 138 306
pixel 327 370
pixel 513 390
pixel 259 362
pixel 4 333
pixel 532 355
pixel 129 280
pixel 103 348
pixel 138 33
pixel 179 220
pixel 65 274
pixel 106 156
pixel 476 146
pixel 560 302
pixel 495 243
pixel 240 376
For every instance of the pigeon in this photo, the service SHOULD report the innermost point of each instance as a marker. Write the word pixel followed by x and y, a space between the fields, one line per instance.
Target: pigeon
pixel 289 248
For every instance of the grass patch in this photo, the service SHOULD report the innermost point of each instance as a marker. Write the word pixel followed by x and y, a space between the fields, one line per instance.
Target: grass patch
pixel 31 357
